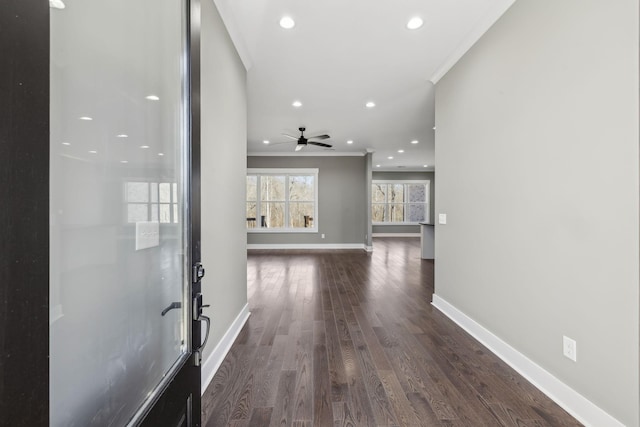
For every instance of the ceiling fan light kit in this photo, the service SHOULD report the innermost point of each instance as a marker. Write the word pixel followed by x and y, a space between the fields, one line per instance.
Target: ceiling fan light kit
pixel 303 141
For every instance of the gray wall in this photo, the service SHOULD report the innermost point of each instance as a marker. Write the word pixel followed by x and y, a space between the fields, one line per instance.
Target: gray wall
pixel 552 87
pixel 224 151
pixel 342 200
pixel 399 176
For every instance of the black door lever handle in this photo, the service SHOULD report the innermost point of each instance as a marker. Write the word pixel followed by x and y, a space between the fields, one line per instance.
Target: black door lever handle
pixel 171 307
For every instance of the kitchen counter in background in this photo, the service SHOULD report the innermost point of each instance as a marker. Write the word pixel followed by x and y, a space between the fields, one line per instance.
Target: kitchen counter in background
pixel 427 236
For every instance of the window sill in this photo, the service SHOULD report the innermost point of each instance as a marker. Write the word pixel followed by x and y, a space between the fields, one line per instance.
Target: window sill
pixel 395 223
pixel 282 230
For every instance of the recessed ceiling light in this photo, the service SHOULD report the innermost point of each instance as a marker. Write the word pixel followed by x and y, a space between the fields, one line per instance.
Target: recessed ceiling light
pixel 426 166
pixel 297 104
pixel 434 128
pixel 93 151
pixel 377 166
pixel 152 98
pixel 66 143
pixel 370 104
pixel 124 161
pixel 349 142
pixel 400 151
pixel 415 141
pixel 144 146
pixel 160 154
pixel 265 142
pixel 56 4
pixel 122 135
pixel 415 23
pixel 287 22
pixel 87 118
pixel 390 157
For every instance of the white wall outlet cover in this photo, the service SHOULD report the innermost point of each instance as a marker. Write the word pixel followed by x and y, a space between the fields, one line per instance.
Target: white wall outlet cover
pixel 147 234
pixel 442 218
pixel 569 348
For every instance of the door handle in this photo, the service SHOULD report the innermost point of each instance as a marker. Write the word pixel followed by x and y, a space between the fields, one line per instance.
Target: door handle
pixel 171 307
pixel 199 317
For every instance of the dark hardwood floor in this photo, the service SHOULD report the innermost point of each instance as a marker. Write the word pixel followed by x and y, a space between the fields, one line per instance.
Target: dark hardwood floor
pixel 346 338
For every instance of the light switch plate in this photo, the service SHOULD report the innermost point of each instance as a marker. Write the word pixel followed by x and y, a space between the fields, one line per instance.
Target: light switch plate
pixel 569 348
pixel 442 218
pixel 147 234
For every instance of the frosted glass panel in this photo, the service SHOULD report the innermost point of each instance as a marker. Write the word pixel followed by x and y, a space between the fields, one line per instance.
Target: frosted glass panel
pixel 117 71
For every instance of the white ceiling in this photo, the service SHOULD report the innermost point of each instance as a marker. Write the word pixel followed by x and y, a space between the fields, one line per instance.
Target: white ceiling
pixel 342 54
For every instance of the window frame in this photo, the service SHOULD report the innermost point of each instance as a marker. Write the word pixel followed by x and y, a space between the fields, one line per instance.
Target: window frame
pixel 386 203
pixel 286 172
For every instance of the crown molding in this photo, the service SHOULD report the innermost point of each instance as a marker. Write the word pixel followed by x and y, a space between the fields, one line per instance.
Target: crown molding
pixel 307 154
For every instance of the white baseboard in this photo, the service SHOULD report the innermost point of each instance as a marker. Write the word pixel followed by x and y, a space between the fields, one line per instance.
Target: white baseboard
pixel 368 248
pixel 307 246
pixel 213 362
pixel 395 234
pixel 570 400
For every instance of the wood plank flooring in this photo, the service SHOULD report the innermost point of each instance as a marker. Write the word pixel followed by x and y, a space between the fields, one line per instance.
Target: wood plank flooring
pixel 346 338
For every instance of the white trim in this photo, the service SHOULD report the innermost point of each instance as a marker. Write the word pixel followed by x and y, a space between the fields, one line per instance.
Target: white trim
pixel 393 224
pixel 282 171
pixel 368 248
pixel 306 246
pixel 305 154
pixel 213 362
pixel 395 234
pixel 401 181
pixel 258 230
pixel 483 25
pixel 570 400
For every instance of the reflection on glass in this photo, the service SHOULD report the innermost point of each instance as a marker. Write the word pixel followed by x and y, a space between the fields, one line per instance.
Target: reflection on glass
pixel 110 346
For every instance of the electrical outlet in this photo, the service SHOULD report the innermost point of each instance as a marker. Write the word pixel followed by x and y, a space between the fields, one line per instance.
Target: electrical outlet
pixel 322 235
pixel 442 218
pixel 569 348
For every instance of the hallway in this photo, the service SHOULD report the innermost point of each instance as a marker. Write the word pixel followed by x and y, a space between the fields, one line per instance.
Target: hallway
pixel 350 338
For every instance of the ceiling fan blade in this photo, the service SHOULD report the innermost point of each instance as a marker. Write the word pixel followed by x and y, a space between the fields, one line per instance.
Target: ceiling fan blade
pixel 291 136
pixel 320 144
pixel 279 143
pixel 325 136
pixel 299 147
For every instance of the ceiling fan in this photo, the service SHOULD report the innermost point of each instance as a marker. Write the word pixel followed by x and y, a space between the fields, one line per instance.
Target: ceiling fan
pixel 302 141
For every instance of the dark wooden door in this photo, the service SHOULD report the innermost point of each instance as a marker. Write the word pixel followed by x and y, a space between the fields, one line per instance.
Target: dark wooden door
pixel 25 248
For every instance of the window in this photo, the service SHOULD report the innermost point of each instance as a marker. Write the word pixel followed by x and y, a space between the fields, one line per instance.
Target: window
pixel 282 200
pixel 399 202
pixel 151 201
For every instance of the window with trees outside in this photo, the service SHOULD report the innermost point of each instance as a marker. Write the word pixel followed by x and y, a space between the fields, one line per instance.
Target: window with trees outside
pixel 282 200
pixel 399 202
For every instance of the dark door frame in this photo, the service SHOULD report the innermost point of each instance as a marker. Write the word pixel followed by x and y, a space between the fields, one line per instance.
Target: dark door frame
pixel 24 215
